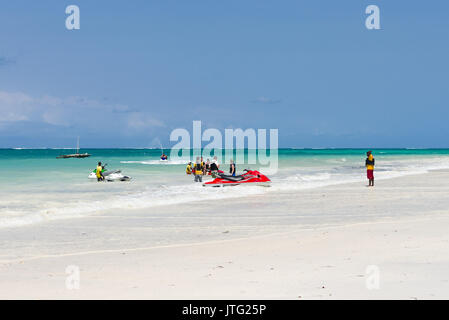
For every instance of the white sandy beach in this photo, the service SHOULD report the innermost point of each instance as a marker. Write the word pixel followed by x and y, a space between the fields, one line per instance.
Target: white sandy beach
pixel 309 244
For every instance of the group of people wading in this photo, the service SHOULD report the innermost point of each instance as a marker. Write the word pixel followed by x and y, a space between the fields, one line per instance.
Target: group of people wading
pixel 201 168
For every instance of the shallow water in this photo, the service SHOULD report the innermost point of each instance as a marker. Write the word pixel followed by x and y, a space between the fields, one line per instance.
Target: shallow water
pixel 36 186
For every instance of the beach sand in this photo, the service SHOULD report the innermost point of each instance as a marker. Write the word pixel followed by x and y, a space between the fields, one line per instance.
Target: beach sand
pixel 336 242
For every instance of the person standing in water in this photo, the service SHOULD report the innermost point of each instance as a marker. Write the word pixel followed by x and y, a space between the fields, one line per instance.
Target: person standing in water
pixel 369 163
pixel 232 168
pixel 207 167
pixel 202 162
pixel 99 173
pixel 198 170
pixel 189 168
pixel 214 166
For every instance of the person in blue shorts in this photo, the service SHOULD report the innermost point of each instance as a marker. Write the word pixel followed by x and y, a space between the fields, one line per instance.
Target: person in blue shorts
pixel 232 168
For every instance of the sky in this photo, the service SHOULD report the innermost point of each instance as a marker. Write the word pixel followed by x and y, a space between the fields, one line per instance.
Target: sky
pixel 136 70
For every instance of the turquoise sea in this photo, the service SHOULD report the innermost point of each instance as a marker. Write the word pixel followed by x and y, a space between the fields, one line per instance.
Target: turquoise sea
pixel 36 186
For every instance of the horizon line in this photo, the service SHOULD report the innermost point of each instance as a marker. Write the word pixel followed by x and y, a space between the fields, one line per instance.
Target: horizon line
pixel 291 148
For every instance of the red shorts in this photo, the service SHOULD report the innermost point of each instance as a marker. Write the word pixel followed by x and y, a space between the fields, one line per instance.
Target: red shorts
pixel 370 174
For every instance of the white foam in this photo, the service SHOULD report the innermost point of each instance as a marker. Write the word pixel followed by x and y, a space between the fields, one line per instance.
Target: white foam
pixel 157 162
pixel 147 193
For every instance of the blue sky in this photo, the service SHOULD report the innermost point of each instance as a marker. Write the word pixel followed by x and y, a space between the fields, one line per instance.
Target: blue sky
pixel 138 69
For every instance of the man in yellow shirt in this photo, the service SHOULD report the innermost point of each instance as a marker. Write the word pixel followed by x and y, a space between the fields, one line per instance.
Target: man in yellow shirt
pixel 198 170
pixel 99 173
pixel 369 163
pixel 189 168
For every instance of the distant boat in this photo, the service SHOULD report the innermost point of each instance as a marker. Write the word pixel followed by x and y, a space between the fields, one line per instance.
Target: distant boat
pixel 74 155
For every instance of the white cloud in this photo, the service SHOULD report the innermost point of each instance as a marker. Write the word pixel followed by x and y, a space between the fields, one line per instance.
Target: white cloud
pixel 72 111
pixel 15 106
pixel 141 120
pixel 56 117
pixel 14 98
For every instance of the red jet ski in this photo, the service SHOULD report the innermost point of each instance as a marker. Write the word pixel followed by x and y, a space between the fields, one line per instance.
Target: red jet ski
pixel 250 177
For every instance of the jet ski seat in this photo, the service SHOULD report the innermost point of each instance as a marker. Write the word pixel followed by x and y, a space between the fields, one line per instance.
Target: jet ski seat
pixel 232 178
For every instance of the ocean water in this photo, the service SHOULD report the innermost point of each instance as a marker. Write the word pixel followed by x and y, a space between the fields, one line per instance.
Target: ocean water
pixel 36 187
